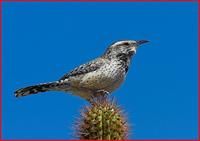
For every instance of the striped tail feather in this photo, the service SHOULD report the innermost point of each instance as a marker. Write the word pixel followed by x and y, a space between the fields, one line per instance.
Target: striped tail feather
pixel 36 89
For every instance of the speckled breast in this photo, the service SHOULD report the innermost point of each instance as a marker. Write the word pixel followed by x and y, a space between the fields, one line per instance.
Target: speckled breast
pixel 108 77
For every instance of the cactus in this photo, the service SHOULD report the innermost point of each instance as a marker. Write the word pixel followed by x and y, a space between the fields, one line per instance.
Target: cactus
pixel 102 120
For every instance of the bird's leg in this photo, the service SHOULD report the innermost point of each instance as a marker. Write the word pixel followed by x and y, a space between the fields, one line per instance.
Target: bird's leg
pixel 98 95
pixel 101 93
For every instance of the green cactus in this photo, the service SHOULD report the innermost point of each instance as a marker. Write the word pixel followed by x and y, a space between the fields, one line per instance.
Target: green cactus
pixel 102 120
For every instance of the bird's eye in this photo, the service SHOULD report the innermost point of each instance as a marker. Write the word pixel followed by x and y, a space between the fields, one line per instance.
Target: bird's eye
pixel 126 44
pixel 121 55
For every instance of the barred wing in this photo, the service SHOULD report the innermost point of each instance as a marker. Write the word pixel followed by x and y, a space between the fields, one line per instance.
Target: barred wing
pixel 85 68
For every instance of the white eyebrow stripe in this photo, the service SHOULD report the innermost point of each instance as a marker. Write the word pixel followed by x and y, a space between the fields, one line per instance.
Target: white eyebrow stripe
pixel 118 43
pixel 121 42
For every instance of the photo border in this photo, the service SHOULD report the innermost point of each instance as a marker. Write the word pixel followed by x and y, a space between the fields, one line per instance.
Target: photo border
pixel 1 1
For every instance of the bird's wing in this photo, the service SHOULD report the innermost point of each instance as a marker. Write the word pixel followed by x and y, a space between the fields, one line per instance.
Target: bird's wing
pixel 85 68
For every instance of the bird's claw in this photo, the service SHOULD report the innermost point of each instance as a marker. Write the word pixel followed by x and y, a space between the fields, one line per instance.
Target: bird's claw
pixel 98 93
pixel 103 92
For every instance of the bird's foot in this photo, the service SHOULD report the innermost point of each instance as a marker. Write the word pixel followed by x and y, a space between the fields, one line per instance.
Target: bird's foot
pixel 99 94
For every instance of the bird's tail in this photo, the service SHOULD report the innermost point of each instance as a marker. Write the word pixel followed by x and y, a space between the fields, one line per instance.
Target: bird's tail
pixel 36 89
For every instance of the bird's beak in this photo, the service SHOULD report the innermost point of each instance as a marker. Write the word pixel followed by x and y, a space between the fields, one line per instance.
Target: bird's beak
pixel 139 42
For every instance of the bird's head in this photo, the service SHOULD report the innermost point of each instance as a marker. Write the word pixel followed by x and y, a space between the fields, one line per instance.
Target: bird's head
pixel 125 47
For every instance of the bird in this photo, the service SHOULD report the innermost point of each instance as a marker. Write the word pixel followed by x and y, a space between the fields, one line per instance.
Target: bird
pixel 100 76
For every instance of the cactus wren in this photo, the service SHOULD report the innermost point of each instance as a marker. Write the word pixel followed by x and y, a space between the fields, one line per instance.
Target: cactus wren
pixel 101 75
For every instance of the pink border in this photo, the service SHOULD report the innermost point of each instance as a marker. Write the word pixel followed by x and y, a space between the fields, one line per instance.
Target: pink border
pixel 198 1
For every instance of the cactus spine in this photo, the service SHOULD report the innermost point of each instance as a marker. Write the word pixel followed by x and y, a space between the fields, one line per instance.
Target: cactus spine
pixel 102 120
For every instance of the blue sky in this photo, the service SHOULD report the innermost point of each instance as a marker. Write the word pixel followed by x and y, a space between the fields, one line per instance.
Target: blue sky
pixel 43 41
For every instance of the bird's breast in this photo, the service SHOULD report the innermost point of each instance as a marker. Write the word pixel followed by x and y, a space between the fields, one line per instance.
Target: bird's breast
pixel 108 77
